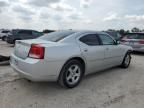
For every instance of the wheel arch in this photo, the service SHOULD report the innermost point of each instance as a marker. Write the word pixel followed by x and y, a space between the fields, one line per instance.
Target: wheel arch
pixel 130 51
pixel 82 61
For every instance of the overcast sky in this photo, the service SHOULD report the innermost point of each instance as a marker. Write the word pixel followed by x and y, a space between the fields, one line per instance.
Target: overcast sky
pixel 72 14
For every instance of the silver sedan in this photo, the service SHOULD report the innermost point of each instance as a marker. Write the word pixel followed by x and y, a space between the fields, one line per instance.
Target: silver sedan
pixel 66 56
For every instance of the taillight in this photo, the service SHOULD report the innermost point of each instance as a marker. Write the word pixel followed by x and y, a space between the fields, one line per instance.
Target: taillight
pixel 141 41
pixel 36 51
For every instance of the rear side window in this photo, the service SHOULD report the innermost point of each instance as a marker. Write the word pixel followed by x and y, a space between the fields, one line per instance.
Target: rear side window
pixel 106 39
pixel 25 32
pixel 56 36
pixel 91 39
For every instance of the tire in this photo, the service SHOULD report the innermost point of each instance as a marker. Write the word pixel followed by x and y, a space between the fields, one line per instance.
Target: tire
pixel 4 38
pixel 14 41
pixel 71 74
pixel 126 61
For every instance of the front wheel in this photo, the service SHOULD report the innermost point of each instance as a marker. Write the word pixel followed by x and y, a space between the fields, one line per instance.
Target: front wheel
pixel 71 74
pixel 126 61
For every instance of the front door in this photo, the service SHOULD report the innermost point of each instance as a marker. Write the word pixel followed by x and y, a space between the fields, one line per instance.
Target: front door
pixel 112 51
pixel 92 51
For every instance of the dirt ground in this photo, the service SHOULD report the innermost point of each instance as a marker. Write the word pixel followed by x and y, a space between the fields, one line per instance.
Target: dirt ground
pixel 113 88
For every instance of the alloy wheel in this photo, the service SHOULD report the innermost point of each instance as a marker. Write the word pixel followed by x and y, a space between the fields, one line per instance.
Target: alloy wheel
pixel 73 74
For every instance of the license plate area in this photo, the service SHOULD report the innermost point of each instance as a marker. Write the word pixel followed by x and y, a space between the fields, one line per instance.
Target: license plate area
pixel 21 50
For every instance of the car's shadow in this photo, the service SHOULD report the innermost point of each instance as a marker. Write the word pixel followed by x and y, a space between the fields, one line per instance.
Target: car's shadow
pixel 92 81
pixel 138 53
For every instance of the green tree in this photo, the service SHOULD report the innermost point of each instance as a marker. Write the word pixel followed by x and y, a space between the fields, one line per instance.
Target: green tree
pixel 122 31
pixel 135 29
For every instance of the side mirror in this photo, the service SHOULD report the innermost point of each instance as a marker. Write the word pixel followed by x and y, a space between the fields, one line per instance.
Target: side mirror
pixel 117 42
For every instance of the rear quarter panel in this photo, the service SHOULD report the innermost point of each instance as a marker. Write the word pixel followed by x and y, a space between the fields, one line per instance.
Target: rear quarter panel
pixel 125 49
pixel 62 52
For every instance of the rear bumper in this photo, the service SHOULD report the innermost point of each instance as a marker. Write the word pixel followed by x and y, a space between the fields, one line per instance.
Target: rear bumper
pixel 36 70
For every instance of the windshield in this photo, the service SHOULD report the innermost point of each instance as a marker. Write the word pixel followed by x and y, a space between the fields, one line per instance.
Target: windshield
pixel 134 36
pixel 114 35
pixel 56 36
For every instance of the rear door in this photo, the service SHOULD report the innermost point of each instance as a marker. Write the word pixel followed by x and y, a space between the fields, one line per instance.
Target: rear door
pixel 93 52
pixel 112 52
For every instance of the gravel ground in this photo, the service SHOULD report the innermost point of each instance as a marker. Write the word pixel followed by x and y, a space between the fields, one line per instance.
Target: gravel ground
pixel 113 88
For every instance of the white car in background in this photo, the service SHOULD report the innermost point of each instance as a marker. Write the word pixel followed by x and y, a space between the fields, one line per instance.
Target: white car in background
pixel 135 40
pixel 66 56
pixel 4 34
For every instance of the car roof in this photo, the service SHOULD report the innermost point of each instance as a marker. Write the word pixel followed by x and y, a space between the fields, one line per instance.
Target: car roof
pixel 136 33
pixel 83 31
pixel 23 30
pixel 111 31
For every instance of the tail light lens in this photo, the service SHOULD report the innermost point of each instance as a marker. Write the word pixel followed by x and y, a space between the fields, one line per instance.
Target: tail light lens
pixel 36 51
pixel 141 41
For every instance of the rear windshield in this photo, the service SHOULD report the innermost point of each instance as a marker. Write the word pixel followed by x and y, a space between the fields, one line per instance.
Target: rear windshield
pixel 56 36
pixel 134 36
pixel 114 34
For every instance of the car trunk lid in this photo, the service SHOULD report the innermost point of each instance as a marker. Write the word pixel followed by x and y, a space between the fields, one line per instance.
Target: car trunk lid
pixel 22 47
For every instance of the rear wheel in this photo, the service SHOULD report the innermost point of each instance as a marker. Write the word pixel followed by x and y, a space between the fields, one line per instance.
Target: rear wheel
pixel 4 38
pixel 71 74
pixel 126 61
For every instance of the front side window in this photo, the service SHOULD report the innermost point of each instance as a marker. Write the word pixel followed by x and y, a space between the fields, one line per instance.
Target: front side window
pixel 106 39
pixel 90 39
